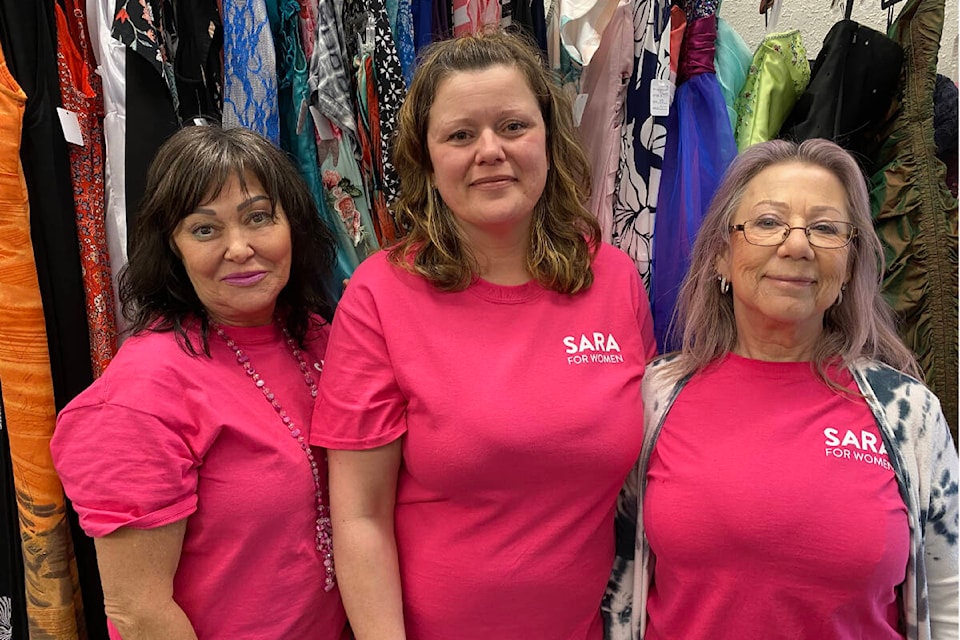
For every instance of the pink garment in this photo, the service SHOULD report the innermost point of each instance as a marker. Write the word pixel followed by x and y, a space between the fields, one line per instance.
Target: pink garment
pixel 605 81
pixel 163 436
pixel 470 16
pixel 521 415
pixel 773 511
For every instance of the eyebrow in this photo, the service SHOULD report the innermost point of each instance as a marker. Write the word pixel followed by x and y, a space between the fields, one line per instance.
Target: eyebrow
pixel 505 112
pixel 240 207
pixel 783 205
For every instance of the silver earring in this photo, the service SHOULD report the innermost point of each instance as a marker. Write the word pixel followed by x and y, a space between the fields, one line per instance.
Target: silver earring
pixel 724 285
pixel 840 297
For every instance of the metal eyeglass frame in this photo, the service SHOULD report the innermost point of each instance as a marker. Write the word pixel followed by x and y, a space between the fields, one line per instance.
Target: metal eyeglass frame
pixel 806 232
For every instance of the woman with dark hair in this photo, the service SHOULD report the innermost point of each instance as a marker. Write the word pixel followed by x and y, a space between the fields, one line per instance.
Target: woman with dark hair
pixel 481 403
pixel 189 461
pixel 796 478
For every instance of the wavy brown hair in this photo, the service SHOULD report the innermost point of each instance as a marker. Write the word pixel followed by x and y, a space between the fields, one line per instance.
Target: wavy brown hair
pixel 190 169
pixel 563 237
pixel 861 326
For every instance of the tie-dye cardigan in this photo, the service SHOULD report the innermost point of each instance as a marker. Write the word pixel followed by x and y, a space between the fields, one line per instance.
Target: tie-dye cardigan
pixel 922 454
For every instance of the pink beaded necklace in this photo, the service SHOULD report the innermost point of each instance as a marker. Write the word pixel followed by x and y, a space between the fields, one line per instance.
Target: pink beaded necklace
pixel 324 537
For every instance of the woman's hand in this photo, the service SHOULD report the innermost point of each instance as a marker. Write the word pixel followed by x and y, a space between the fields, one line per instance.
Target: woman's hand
pixel 136 569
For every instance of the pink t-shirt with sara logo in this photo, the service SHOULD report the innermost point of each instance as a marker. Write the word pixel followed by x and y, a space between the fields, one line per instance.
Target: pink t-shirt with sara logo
pixel 773 511
pixel 521 415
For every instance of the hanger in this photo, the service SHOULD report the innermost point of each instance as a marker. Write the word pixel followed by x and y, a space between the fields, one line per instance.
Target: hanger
pixel 888 5
pixel 766 7
pixel 367 40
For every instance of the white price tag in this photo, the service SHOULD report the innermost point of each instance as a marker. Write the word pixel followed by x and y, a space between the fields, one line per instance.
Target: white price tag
pixel 661 96
pixel 71 126
pixel 578 106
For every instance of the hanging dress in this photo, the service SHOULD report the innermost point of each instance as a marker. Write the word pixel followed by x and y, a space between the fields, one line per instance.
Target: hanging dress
pixel 643 136
pixel 441 19
pixel 531 18
pixel 422 15
pixel 54 605
pixel 29 29
pixel 152 102
pixel 81 94
pixel 345 191
pixel 384 79
pixel 110 54
pixel 853 82
pixel 945 126
pixel 368 130
pixel 604 85
pixel 249 70
pixel 700 147
pixel 471 16
pixel 296 131
pixel 13 599
pixel 401 26
pixel 391 90
pixel 196 64
pixel 916 215
pixel 733 64
pixel 582 23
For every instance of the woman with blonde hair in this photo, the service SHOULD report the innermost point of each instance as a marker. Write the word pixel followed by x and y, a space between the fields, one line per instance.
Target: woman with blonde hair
pixel 481 403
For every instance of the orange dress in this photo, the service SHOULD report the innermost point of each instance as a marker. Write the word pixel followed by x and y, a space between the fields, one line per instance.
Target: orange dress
pixel 54 607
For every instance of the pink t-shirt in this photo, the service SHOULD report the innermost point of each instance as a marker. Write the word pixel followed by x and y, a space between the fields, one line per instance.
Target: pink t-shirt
pixel 163 436
pixel 521 415
pixel 772 510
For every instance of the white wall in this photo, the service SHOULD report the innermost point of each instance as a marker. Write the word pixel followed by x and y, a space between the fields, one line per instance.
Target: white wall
pixel 815 17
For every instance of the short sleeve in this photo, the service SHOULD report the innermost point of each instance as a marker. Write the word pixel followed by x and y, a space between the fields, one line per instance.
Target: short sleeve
pixel 360 404
pixel 123 468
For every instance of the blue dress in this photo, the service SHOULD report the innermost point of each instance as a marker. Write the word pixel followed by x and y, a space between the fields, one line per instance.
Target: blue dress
pixel 700 147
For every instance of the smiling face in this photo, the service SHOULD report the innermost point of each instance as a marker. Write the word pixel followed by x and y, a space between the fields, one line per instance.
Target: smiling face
pixel 781 293
pixel 236 249
pixel 488 146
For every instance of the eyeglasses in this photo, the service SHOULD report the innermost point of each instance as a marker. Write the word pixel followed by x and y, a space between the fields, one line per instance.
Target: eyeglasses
pixel 771 232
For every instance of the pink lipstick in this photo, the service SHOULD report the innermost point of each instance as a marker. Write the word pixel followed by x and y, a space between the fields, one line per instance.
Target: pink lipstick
pixel 245 279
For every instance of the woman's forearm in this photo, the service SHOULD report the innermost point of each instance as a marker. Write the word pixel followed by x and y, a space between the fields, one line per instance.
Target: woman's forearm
pixel 365 551
pixel 137 569
pixel 149 621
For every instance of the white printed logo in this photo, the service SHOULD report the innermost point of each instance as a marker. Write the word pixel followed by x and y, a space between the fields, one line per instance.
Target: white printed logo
pixel 593 348
pixel 856 445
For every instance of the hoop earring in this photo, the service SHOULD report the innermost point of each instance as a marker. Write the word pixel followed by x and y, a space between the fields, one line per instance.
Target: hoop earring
pixel 840 297
pixel 724 285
